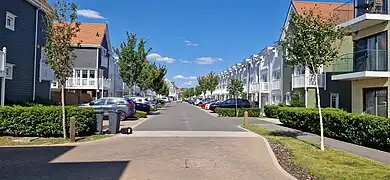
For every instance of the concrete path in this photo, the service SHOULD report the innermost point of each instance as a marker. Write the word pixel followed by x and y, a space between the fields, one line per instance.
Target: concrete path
pixel 163 147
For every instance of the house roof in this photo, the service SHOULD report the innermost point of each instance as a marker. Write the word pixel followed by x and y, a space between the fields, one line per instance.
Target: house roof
pixel 45 3
pixel 344 11
pixel 90 34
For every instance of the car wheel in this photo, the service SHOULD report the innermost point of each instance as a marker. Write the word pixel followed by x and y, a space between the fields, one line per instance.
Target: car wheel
pixel 122 115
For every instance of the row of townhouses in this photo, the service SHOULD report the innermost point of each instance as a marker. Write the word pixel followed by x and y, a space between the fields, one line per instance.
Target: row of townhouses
pixel 358 82
pixel 24 72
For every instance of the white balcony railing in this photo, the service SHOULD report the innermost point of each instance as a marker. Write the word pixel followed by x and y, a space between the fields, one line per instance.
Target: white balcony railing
pixel 259 87
pixel 46 73
pixel 300 81
pixel 85 83
pixel 264 86
pixel 275 84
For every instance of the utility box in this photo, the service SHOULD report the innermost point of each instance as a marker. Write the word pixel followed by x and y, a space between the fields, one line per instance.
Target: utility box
pixel 114 122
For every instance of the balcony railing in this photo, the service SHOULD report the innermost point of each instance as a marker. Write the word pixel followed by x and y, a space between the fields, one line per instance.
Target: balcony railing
pixel 366 60
pixel 300 81
pixel 275 84
pixel 348 10
pixel 85 83
pixel 259 87
pixel 46 73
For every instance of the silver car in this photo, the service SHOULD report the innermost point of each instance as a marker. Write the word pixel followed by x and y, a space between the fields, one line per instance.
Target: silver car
pixel 125 107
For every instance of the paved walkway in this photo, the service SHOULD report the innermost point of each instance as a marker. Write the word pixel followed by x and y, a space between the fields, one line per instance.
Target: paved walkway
pixel 370 153
pixel 177 144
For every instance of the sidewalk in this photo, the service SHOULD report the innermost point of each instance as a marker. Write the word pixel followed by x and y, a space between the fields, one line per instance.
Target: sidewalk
pixel 370 153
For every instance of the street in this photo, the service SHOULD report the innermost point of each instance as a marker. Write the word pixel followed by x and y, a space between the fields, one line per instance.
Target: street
pixel 183 142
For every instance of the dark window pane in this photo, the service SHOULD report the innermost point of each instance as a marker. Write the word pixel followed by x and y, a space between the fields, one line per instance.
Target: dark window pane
pixel 111 101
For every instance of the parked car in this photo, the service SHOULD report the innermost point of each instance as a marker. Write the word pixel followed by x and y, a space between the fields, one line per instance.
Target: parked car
pixel 198 102
pixel 165 99
pixel 142 107
pixel 231 103
pixel 125 107
pixel 143 100
pixel 179 100
pixel 207 107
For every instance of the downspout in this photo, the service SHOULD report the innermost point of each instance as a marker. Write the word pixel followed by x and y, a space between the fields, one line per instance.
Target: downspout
pixel 35 53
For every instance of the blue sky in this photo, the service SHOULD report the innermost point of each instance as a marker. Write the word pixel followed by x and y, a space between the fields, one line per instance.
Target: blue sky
pixel 191 38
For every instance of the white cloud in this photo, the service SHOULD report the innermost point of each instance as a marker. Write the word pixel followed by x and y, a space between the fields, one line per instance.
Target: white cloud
pixel 207 60
pixel 184 61
pixel 88 13
pixel 179 76
pixel 189 43
pixel 159 58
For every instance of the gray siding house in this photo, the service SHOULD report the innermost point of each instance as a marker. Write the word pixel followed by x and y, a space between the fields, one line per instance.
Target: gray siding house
pixel 26 76
pixel 91 67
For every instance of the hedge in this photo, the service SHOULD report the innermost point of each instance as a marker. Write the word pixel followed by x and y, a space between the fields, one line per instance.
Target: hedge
pixel 361 129
pixel 230 112
pixel 272 111
pixel 44 121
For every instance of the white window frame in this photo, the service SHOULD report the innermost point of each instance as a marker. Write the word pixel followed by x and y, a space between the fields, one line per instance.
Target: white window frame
pixel 337 100
pixel 12 18
pixel 11 69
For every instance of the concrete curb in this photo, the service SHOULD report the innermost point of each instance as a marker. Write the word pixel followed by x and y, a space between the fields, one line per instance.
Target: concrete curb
pixel 273 157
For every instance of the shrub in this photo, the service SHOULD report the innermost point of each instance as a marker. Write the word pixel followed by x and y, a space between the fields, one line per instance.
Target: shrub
pixel 271 111
pixel 44 121
pixel 230 112
pixel 141 114
pixel 362 129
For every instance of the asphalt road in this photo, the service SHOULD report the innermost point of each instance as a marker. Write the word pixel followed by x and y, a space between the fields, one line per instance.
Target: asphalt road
pixel 186 117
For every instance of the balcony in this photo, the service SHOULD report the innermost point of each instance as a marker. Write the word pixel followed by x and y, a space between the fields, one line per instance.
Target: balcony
pixel 365 64
pixel 46 73
pixel 275 84
pixel 85 83
pixel 362 14
pixel 301 81
pixel 261 87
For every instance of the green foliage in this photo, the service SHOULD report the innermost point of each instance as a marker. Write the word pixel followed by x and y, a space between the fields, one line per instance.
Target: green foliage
pixel 244 95
pixel 203 84
pixel 212 82
pixel 312 40
pixel 188 92
pixel 60 28
pixel 146 77
pixel 231 112
pixel 362 129
pixel 271 111
pixel 159 84
pixel 44 121
pixel 131 59
pixel 297 99
pixel 141 114
pixel 198 90
pixel 235 87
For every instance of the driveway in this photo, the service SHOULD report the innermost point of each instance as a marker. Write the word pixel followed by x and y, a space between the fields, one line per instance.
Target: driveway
pixel 164 147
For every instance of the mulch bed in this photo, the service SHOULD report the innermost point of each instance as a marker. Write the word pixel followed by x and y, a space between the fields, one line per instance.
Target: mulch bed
pixel 288 163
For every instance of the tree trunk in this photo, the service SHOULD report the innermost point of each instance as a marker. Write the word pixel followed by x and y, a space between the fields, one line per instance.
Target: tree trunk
pixel 236 107
pixel 319 112
pixel 63 110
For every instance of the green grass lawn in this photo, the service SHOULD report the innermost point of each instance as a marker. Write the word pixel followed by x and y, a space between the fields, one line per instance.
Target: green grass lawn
pixel 8 140
pixel 331 163
pixel 141 114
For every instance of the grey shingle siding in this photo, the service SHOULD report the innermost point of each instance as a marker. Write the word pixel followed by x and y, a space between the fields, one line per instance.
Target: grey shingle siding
pixel 20 49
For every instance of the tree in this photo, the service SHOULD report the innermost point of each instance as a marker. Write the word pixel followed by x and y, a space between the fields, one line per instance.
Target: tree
pixel 158 80
pixel 212 82
pixel 297 99
pixel 198 90
pixel 313 41
pixel 235 88
pixel 202 84
pixel 61 27
pixel 146 77
pixel 131 58
pixel 164 90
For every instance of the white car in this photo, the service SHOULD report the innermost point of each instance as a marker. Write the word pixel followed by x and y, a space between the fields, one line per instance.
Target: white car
pixel 179 100
pixel 207 107
pixel 139 99
pixel 165 99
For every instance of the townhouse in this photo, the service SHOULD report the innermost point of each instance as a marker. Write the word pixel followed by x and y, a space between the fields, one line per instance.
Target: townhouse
pixel 23 72
pixel 268 80
pixel 95 70
pixel 368 73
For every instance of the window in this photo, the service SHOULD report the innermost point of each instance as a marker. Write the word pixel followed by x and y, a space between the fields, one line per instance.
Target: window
pixel 99 102
pixel 276 75
pixel 370 53
pixel 334 100
pixel 9 71
pixel 111 101
pixel 375 101
pixel 10 21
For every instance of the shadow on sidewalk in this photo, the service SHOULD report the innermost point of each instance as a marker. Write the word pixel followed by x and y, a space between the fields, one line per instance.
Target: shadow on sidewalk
pixel 35 163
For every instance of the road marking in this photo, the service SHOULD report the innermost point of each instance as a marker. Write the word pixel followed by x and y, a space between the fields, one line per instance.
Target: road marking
pixel 192 134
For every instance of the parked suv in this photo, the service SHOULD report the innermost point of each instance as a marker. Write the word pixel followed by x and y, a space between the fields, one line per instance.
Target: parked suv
pixel 124 106
pixel 231 103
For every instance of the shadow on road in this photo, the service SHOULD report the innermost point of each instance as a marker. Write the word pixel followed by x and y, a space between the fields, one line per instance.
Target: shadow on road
pixel 35 163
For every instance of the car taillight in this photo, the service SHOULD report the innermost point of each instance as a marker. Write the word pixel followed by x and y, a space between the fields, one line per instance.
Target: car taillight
pixel 129 105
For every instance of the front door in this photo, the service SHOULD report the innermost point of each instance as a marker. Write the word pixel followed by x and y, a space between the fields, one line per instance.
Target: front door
pixel 375 101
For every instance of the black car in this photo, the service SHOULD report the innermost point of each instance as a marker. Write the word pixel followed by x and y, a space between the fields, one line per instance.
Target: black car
pixel 142 107
pixel 231 103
